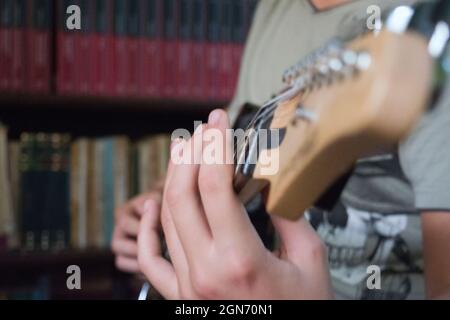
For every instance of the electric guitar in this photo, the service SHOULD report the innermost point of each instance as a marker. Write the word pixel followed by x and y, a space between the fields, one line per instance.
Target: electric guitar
pixel 343 102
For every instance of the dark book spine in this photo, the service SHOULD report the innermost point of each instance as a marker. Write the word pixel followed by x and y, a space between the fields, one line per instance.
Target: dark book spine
pixel 185 38
pixel 151 48
pixel 170 48
pixel 29 207
pixel 18 47
pixel 199 49
pixel 48 192
pixel 120 47
pixel 212 48
pixel 39 46
pixel 6 43
pixel 84 49
pixel 58 193
pixel 65 50
pixel 133 35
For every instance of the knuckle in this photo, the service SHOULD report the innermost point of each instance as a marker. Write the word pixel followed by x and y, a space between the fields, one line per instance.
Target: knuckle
pixel 241 268
pixel 203 284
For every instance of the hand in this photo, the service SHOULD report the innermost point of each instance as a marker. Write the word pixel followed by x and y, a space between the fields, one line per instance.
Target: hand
pixel 215 250
pixel 126 228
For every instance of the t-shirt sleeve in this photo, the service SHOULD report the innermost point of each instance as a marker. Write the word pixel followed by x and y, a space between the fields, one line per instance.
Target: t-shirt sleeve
pixel 425 157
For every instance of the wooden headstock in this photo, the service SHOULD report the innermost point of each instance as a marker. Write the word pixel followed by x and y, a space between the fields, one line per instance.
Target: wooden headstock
pixel 328 127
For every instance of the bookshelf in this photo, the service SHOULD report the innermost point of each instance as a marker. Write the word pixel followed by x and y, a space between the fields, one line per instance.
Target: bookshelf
pixel 90 117
pixel 100 91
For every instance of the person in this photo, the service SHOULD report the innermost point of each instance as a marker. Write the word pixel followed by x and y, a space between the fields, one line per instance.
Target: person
pixel 394 212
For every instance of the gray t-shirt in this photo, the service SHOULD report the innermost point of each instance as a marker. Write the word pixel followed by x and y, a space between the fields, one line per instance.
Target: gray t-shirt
pixel 375 223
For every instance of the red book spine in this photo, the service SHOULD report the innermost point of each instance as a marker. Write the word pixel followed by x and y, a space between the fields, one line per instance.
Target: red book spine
pixel 65 52
pixel 213 49
pixel 225 71
pixel 18 45
pixel 120 48
pixel 6 44
pixel 133 55
pixel 184 69
pixel 170 49
pixel 198 74
pixel 150 48
pixel 84 51
pixel 102 49
pixel 38 46
pixel 184 89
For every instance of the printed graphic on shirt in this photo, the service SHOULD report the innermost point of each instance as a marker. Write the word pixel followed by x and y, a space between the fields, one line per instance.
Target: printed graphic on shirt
pixel 357 239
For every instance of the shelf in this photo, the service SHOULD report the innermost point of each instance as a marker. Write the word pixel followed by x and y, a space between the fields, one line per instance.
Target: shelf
pixel 96 116
pixel 99 277
pixel 41 261
pixel 8 100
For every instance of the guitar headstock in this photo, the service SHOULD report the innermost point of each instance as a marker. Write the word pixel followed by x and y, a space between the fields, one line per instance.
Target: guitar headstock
pixel 346 102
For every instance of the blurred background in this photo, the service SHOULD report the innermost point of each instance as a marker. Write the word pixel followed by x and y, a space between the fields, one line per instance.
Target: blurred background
pixel 85 122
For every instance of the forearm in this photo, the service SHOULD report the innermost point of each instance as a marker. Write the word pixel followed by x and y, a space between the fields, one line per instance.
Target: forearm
pixel 436 252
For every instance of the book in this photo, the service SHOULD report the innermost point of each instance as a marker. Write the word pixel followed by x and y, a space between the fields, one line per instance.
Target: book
pixel 169 48
pixel 121 61
pixel 30 195
pixel 78 193
pixel 48 190
pixel 121 171
pixel 39 18
pixel 198 77
pixel 132 44
pixel 213 49
pixel 84 53
pixel 225 70
pixel 13 155
pixel 8 226
pixel 6 43
pixel 18 47
pixel 102 48
pixel 66 41
pixel 185 38
pixel 107 198
pixel 151 48
pixel 58 190
pixel 95 235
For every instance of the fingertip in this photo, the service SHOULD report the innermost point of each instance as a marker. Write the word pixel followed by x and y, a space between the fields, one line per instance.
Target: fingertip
pixel 218 119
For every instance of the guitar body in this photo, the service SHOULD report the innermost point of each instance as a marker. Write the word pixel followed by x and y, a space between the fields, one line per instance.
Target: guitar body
pixel 351 117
